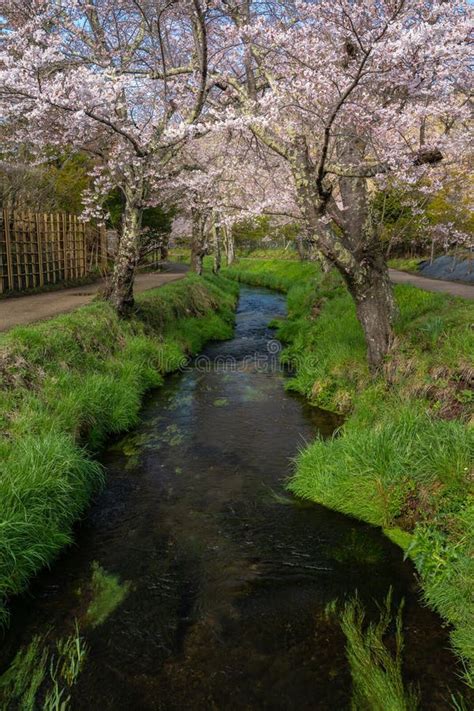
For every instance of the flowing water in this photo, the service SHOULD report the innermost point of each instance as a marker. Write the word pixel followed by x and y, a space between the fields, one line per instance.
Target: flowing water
pixel 225 577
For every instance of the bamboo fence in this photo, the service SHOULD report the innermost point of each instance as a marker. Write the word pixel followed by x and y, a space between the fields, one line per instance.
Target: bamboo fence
pixel 39 249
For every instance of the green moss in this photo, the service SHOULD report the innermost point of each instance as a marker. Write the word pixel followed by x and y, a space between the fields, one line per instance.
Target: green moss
pixel 65 385
pixel 399 537
pixel 221 402
pixel 107 594
pixel 132 444
pixel 172 436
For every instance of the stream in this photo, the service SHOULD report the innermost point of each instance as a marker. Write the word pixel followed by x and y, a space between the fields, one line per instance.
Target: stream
pixel 227 577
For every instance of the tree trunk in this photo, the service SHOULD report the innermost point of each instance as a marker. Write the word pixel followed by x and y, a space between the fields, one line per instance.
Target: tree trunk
pixel 354 249
pixel 316 255
pixel 375 308
pixel 366 275
pixel 164 248
pixel 229 245
pixel 198 241
pixel 216 245
pixel 128 254
pixel 302 248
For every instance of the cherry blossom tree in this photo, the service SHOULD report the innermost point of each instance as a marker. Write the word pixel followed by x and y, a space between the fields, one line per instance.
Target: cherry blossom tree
pixel 124 80
pixel 297 109
pixel 229 178
pixel 345 93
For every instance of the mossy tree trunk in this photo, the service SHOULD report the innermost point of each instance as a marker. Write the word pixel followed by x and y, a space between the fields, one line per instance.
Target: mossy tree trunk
pixel 199 243
pixel 128 254
pixel 164 248
pixel 352 247
pixel 216 244
pixel 229 245
pixel 373 297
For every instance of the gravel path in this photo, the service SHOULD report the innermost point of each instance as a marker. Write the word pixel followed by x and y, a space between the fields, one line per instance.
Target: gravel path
pixel 445 287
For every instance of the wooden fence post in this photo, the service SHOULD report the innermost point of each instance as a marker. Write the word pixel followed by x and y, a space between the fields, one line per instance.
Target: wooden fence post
pixel 73 219
pixel 61 264
pixel 47 248
pixel 15 252
pixel 8 249
pixel 40 249
pixel 83 252
pixel 65 246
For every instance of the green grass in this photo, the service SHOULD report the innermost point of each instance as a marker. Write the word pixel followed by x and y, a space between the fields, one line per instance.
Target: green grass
pixel 272 273
pixel 406 264
pixel 181 254
pixel 404 458
pixel 24 677
pixel 65 385
pixel 374 473
pixel 42 674
pixel 274 253
pixel 377 681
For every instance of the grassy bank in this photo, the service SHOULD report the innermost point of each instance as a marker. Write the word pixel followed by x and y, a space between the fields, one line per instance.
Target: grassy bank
pixel 269 253
pixel 66 384
pixel 403 459
pixel 406 264
pixel 182 254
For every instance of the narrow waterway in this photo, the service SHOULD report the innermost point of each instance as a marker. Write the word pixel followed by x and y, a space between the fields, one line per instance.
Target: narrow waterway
pixel 227 577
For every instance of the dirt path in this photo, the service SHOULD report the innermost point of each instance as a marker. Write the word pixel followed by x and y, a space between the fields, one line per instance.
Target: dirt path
pixel 445 287
pixel 21 310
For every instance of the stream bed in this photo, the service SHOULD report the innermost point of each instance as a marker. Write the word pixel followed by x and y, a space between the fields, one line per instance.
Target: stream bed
pixel 225 578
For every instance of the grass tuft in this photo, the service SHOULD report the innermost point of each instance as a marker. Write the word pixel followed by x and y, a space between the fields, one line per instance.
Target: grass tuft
pixel 21 682
pixel 42 674
pixel 377 682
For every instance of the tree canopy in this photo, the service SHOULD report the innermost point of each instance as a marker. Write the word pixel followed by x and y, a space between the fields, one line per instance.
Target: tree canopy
pixel 302 111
